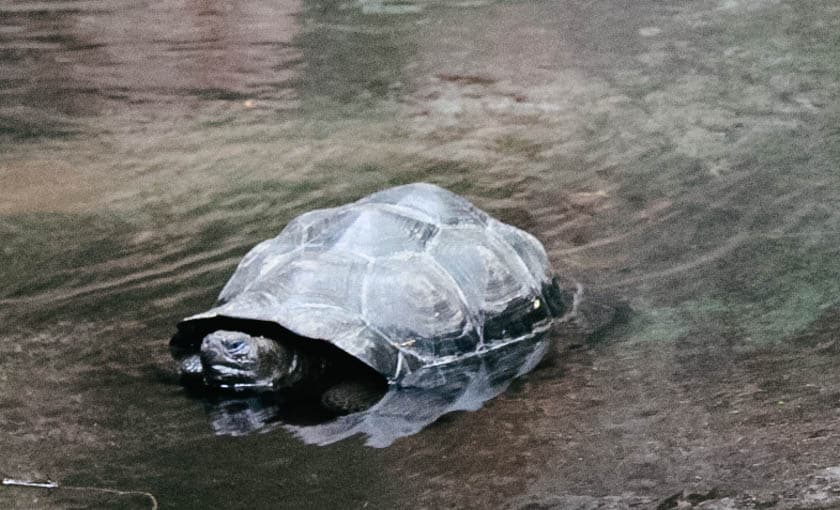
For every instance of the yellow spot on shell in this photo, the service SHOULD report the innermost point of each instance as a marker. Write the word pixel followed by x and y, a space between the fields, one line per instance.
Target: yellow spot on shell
pixel 537 304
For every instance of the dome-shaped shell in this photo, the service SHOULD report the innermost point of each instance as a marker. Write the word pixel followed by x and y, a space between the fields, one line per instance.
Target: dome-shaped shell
pixel 405 278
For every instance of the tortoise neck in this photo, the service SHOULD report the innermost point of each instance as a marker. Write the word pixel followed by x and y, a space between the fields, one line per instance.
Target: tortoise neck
pixel 302 368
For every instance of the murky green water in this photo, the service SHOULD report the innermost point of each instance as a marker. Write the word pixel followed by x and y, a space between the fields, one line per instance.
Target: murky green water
pixel 683 156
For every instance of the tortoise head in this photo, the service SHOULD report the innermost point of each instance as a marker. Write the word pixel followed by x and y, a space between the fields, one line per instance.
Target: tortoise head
pixel 232 359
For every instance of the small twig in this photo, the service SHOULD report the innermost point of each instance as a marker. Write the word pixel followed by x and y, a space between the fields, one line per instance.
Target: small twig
pixel 49 484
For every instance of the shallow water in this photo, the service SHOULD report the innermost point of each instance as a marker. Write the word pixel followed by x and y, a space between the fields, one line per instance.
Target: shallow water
pixel 682 156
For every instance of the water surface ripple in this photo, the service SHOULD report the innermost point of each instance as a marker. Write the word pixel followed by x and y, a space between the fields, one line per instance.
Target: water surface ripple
pixel 682 156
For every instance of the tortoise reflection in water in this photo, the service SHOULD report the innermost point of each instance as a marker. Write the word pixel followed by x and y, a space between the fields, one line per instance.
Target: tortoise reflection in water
pixel 349 301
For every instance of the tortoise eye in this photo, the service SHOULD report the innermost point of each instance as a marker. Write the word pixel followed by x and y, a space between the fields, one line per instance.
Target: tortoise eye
pixel 234 345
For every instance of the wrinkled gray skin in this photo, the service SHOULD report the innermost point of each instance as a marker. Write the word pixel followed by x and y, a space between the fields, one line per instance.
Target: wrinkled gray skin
pixel 238 360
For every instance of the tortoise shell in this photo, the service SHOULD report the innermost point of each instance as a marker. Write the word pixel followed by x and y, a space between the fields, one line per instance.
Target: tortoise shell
pixel 403 279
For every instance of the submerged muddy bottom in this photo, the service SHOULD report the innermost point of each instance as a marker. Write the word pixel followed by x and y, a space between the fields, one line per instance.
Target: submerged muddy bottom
pixel 681 157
